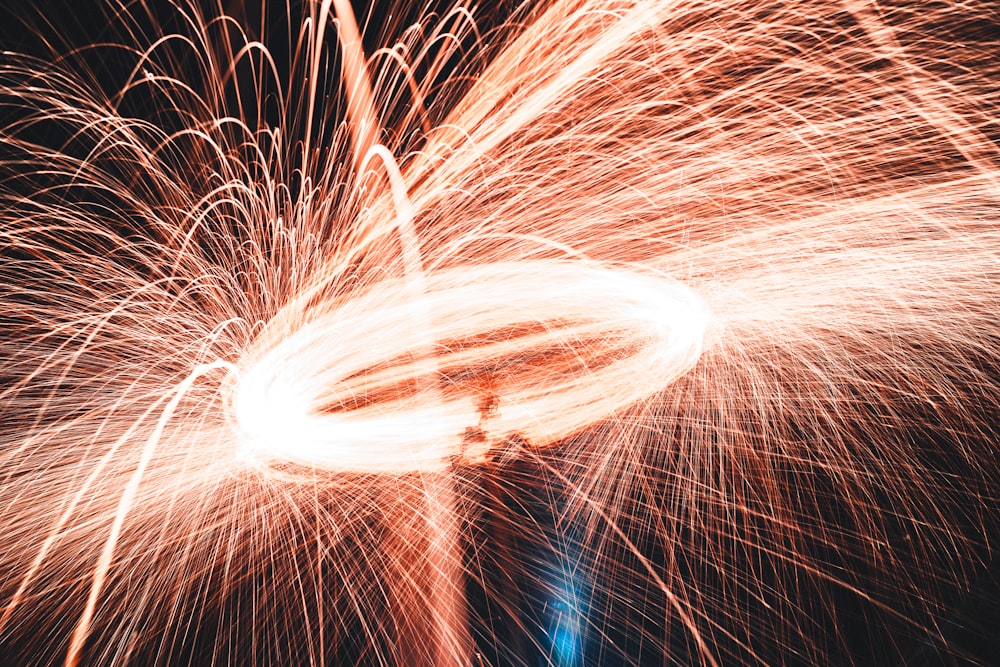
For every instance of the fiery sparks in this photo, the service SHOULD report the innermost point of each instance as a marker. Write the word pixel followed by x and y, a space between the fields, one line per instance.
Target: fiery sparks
pixel 588 332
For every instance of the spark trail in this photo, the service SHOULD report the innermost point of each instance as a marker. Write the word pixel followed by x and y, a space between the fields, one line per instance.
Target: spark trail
pixel 294 334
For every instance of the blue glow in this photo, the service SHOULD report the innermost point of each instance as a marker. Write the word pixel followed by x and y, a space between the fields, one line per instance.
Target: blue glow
pixel 565 619
pixel 565 645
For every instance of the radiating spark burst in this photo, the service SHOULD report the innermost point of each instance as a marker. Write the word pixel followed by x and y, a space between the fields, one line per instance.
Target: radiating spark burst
pixel 296 338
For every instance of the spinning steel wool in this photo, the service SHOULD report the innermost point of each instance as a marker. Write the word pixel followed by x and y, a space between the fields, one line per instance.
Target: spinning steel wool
pixel 589 332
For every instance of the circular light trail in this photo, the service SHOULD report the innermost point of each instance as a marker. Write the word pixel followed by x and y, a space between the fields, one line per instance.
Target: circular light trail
pixel 536 349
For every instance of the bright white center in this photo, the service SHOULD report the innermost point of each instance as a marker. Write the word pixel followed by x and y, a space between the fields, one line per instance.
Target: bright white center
pixel 539 349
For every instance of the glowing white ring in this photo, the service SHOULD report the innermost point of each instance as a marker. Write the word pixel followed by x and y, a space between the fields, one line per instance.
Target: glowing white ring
pixel 281 398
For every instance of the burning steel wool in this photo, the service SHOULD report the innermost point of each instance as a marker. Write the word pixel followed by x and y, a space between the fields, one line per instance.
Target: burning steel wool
pixel 596 340
pixel 571 332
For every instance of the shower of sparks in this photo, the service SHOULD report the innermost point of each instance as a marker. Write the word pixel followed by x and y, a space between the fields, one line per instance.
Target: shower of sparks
pixel 280 325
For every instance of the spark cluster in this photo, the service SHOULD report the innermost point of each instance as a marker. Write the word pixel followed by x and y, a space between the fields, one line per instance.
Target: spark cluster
pixel 297 332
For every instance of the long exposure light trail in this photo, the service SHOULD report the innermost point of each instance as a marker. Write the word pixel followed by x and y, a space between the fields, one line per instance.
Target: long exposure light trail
pixel 545 364
pixel 572 332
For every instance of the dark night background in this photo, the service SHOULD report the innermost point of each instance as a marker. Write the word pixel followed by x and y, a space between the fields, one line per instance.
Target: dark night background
pixel 540 601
